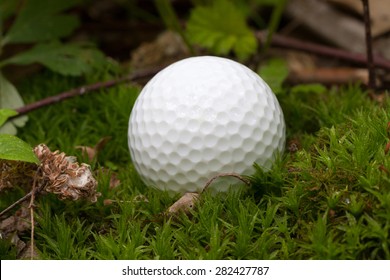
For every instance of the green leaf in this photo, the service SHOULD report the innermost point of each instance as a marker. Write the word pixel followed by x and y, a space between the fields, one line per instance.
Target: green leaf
pixel 274 73
pixel 5 114
pixel 222 28
pixel 67 59
pixel 41 20
pixel 10 98
pixel 13 148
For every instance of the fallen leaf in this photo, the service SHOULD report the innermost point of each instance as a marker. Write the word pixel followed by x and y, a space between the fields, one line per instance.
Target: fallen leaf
pixel 184 203
pixel 166 49
pixel 92 152
pixel 19 222
pixel 114 181
pixel 387 148
pixel 107 202
pixel 25 254
pixel 17 242
pixel 13 226
pixel 388 129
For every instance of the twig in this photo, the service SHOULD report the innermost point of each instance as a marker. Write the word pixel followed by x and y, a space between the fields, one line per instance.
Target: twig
pixel 19 201
pixel 31 206
pixel 22 199
pixel 370 59
pixel 277 41
pixel 294 44
pixel 229 174
pixel 83 90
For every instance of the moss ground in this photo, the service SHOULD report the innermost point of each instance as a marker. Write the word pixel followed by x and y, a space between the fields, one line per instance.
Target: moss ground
pixel 327 197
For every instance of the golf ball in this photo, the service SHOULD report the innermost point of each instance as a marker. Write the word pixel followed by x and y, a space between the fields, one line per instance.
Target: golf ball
pixel 202 116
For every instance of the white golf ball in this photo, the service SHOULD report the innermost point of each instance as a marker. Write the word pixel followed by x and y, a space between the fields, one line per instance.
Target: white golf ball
pixel 202 116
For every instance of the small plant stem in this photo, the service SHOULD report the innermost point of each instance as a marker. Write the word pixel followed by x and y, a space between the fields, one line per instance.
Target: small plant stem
pixel 16 203
pixel 229 174
pixel 24 198
pixel 284 42
pixel 274 23
pixel 370 59
pixel 83 90
pixel 32 206
pixel 32 230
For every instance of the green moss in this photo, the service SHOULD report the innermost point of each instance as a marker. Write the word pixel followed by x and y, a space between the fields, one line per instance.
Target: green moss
pixel 330 199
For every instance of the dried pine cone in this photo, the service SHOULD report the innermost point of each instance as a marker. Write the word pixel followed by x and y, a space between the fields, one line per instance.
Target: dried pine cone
pixel 63 176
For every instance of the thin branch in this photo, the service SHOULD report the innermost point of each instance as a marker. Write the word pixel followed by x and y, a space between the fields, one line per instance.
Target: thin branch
pixel 16 203
pixel 32 206
pixel 370 59
pixel 33 192
pixel 277 41
pixel 83 90
pixel 229 174
pixel 295 44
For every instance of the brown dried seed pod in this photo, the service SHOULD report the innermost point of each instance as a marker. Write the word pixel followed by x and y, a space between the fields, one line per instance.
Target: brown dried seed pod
pixel 63 176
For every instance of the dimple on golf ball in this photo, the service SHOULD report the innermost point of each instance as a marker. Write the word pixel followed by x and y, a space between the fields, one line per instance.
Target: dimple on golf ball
pixel 202 116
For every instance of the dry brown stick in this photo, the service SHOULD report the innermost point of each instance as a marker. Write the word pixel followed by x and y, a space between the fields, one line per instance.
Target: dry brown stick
pixel 370 59
pixel 229 174
pixel 22 199
pixel 277 41
pixel 299 45
pixel 31 206
pixel 83 90
pixel 19 201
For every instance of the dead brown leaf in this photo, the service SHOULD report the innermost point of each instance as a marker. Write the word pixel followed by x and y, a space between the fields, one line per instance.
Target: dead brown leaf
pixel 166 49
pixel 13 226
pixel 184 204
pixel 92 152
pixel 19 222
pixel 28 252
pixel 387 148
pixel 108 201
pixel 114 181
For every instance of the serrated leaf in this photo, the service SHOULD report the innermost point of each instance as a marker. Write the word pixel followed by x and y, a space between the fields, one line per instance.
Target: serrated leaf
pixel 67 59
pixel 221 27
pixel 274 73
pixel 5 114
pixel 13 148
pixel 41 20
pixel 10 99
